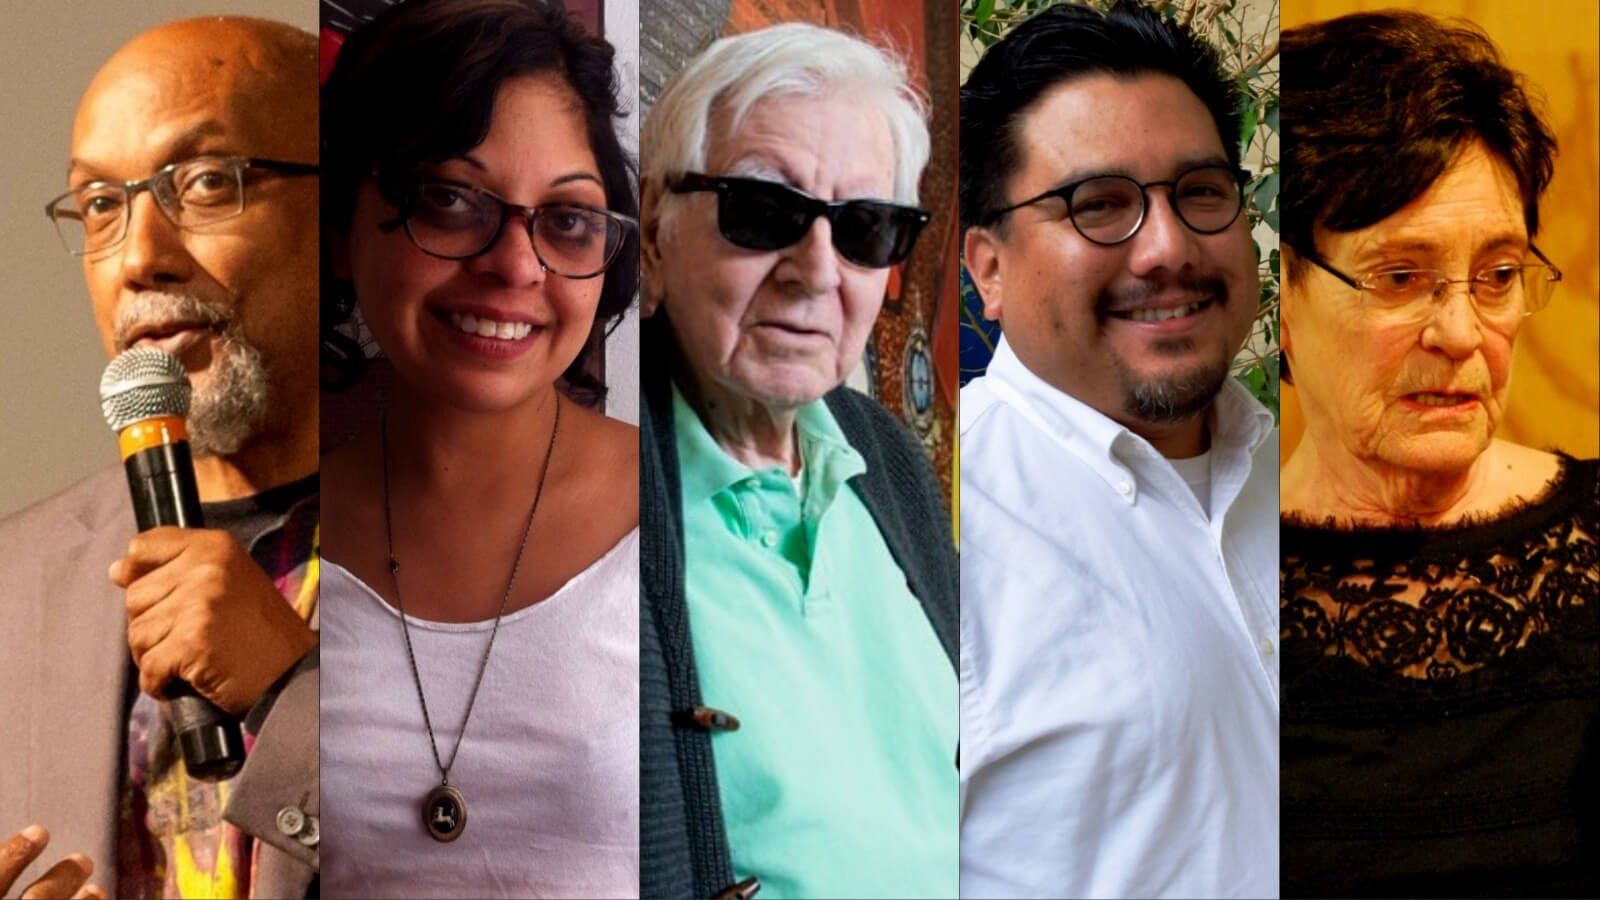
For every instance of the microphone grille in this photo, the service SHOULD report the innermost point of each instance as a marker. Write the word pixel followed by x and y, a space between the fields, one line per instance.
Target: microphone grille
pixel 142 383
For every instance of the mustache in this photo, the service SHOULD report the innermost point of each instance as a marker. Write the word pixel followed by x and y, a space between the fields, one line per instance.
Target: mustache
pixel 161 308
pixel 1210 284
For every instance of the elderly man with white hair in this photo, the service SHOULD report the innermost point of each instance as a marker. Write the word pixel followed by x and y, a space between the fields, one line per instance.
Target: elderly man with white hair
pixel 797 649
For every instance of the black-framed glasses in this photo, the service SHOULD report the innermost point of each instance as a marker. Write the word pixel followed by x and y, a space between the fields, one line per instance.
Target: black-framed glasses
pixel 454 220
pixel 1500 293
pixel 1109 209
pixel 765 215
pixel 191 193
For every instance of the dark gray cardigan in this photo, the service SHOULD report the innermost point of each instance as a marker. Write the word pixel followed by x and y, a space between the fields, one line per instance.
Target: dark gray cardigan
pixel 683 843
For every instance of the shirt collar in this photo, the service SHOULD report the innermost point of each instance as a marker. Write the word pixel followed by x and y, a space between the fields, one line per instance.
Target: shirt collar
pixel 705 469
pixel 1238 422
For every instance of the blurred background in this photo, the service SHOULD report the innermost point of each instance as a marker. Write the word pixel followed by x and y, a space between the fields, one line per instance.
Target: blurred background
pixel 614 357
pixel 1555 44
pixel 51 358
pixel 1245 34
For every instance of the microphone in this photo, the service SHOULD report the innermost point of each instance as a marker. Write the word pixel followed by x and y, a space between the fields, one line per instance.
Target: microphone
pixel 144 395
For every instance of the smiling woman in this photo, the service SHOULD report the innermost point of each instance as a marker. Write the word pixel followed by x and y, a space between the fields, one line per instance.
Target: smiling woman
pixel 480 630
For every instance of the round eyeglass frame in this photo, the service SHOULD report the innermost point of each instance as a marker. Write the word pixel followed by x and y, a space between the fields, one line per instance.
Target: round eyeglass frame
pixel 1065 191
pixel 530 215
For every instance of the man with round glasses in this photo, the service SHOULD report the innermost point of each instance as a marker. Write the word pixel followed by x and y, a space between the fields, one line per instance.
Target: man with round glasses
pixel 1118 517
pixel 191 206
pixel 797 664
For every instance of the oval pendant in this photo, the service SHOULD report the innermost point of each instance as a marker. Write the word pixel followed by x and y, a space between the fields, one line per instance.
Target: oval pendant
pixel 444 813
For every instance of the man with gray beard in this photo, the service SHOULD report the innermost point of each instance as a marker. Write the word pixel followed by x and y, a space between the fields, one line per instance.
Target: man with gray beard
pixel 191 203
pixel 1119 558
pixel 228 406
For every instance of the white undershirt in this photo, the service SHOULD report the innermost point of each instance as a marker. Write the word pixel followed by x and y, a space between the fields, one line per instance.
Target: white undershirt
pixel 1196 473
pixel 549 766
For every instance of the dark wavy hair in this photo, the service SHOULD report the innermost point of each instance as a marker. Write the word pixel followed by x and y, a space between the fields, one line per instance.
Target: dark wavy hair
pixel 1375 106
pixel 1060 44
pixel 416 87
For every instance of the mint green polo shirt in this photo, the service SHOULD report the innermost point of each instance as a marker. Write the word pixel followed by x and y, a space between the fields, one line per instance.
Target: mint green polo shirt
pixel 841 779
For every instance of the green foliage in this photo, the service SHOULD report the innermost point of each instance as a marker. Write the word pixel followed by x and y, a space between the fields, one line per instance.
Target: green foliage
pixel 1250 53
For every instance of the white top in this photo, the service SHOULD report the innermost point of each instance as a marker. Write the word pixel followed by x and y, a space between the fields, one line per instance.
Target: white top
pixel 550 764
pixel 1119 677
pixel 1196 473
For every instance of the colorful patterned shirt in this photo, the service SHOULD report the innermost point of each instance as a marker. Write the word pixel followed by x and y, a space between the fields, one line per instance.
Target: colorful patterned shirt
pixel 171 838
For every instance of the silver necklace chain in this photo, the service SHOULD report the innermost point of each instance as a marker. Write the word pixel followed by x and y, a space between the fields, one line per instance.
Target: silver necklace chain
pixel 394 574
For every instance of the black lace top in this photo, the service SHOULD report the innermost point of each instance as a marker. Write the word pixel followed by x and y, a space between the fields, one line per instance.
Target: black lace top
pixel 1441 703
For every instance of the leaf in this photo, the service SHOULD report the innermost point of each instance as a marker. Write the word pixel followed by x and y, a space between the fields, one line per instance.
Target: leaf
pixel 1271 218
pixel 1274 262
pixel 1265 194
pixel 984 13
pixel 1272 115
pixel 1247 130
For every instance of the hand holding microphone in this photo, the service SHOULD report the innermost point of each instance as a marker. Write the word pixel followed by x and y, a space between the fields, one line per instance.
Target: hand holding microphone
pixel 206 626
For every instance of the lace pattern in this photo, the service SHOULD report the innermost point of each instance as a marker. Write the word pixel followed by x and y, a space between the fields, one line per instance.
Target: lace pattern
pixel 1436 603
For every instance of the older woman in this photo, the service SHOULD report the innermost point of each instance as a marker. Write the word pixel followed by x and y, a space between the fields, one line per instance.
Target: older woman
pixel 1439 585
pixel 798 688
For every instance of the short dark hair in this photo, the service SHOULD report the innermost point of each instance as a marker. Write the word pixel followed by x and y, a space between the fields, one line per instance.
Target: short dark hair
pixel 416 87
pixel 1057 45
pixel 1375 106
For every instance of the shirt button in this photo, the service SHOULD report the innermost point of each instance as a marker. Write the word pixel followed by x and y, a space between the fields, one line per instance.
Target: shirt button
pixel 310 835
pixel 291 821
pixel 708 718
pixel 1124 488
pixel 1266 647
pixel 743 890
pixel 769 539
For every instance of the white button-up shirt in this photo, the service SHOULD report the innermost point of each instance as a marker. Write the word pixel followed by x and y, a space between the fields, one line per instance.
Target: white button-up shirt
pixel 1119 680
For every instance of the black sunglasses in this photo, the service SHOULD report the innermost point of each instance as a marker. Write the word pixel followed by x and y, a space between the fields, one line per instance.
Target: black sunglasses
pixel 766 215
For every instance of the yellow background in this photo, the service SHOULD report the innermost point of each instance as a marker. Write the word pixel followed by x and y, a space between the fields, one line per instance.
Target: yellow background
pixel 1555 383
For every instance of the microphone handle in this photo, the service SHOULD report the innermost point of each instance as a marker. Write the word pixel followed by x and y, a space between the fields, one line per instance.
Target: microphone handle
pixel 161 482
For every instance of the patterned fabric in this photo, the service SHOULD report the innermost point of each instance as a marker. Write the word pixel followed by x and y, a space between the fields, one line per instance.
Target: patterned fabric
pixel 1413 603
pixel 1441 703
pixel 172 840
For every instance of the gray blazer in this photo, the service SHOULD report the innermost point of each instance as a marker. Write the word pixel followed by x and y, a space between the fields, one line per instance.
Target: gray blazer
pixel 64 694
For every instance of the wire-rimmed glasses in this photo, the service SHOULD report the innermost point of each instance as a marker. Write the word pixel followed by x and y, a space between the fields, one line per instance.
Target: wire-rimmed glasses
pixel 1109 209
pixel 1501 293
pixel 454 220
pixel 191 193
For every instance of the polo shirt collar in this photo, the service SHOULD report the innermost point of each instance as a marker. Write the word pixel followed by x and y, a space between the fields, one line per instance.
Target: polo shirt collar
pixel 705 469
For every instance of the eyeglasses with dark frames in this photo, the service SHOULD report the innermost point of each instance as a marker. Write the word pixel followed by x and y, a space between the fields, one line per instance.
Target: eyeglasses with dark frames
pixel 191 193
pixel 1110 209
pixel 757 214
pixel 1503 292
pixel 454 220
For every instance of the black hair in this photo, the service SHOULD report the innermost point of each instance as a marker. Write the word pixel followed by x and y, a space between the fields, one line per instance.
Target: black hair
pixel 1060 44
pixel 416 87
pixel 1375 106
